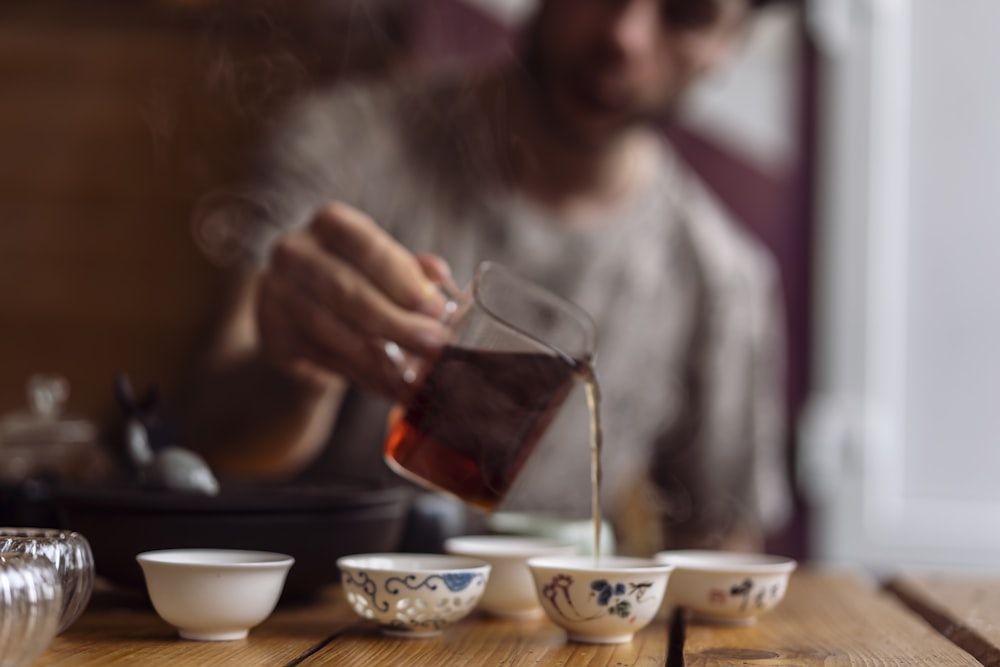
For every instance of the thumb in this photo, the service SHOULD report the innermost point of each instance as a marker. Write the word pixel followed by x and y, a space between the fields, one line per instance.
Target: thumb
pixel 438 271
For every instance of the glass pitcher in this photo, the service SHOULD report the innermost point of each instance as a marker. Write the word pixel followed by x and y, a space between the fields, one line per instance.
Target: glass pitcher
pixel 480 407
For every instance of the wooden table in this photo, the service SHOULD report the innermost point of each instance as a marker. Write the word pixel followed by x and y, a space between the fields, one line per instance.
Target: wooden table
pixel 966 610
pixel 827 618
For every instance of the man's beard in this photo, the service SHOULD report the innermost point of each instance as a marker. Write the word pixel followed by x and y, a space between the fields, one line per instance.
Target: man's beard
pixel 543 85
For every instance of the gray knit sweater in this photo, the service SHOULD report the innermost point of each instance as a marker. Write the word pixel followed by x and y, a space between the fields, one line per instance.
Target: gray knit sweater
pixel 689 348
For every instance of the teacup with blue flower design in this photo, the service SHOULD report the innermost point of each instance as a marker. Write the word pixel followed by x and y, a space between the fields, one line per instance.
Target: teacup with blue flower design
pixel 413 595
pixel 605 601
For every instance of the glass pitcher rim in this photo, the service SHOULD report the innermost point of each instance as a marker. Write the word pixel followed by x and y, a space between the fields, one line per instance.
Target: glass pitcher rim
pixel 576 311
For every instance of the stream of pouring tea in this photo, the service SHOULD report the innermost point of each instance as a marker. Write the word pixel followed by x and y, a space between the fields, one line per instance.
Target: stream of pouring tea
pixel 586 373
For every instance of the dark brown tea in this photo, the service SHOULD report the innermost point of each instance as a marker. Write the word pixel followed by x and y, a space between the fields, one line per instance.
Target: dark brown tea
pixel 476 418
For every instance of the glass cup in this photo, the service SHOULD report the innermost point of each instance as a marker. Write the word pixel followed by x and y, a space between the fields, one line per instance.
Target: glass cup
pixel 70 554
pixel 479 408
pixel 30 606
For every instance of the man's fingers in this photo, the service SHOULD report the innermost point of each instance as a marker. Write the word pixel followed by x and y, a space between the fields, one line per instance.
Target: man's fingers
pixel 359 241
pixel 304 336
pixel 336 287
pixel 435 268
pixel 335 293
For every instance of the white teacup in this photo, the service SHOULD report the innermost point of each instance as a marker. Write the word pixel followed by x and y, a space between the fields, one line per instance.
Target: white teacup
pixel 214 594
pixel 600 602
pixel 413 595
pixel 727 588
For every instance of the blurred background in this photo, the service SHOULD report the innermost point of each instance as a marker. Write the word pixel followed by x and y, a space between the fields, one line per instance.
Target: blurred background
pixel 857 138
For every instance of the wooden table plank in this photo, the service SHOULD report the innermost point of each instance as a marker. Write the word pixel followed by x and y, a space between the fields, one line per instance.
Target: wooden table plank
pixel 122 629
pixel 965 609
pixel 483 640
pixel 827 618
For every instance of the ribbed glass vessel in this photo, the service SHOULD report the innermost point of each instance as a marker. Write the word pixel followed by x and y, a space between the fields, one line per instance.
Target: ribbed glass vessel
pixel 30 607
pixel 69 552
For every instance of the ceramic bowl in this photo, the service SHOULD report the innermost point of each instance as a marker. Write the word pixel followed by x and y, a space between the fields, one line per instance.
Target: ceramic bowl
pixel 600 603
pixel 725 587
pixel 214 594
pixel 30 607
pixel 71 555
pixel 413 595
pixel 510 592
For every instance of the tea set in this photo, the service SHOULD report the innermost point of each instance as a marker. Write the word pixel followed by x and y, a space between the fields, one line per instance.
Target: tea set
pixel 595 597
pixel 222 594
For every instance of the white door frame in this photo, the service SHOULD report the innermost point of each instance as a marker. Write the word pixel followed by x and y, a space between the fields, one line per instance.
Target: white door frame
pixel 853 434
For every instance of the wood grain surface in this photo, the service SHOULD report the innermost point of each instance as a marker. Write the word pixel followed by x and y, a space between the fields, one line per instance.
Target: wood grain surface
pixel 122 629
pixel 482 640
pixel 965 609
pixel 828 618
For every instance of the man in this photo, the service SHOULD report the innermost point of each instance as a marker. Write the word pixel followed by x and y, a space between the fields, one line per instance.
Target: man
pixel 552 165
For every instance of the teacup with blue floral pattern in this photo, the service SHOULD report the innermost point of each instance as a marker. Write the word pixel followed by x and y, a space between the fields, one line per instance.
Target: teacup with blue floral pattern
pixel 603 601
pixel 413 595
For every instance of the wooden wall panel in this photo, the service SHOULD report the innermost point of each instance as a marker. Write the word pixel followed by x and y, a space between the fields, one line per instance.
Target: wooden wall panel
pixel 115 117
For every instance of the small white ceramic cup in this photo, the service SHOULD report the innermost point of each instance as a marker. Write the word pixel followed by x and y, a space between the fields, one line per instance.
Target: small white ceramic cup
pixel 214 594
pixel 510 592
pixel 413 595
pixel 603 602
pixel 726 588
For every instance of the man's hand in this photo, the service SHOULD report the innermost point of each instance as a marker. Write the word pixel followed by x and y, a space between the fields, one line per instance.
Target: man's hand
pixel 336 292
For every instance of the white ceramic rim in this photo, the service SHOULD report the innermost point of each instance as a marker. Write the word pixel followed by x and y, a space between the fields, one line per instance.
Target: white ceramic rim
pixel 700 560
pixel 606 564
pixel 507 546
pixel 408 563
pixel 228 558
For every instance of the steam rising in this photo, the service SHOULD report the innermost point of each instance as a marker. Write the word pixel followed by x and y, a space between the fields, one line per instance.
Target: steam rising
pixel 255 59
pixel 228 225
